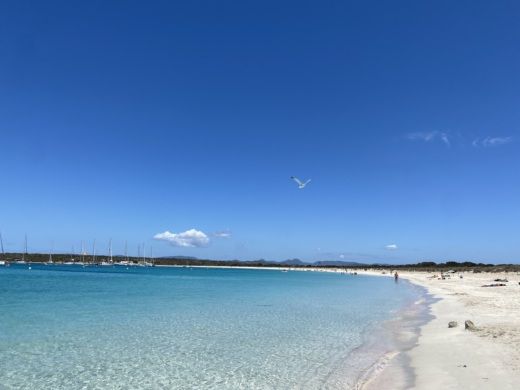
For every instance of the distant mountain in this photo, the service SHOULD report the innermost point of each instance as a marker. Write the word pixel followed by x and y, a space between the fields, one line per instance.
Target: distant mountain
pixel 331 263
pixel 263 262
pixel 293 262
pixel 259 261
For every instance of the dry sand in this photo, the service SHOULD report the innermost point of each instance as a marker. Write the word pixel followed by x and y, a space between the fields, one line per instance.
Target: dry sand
pixel 456 358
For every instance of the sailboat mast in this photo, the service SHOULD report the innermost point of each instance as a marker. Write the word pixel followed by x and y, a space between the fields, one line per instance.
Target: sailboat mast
pixel 126 251
pixel 110 250
pixel 2 245
pixel 94 252
pixel 24 248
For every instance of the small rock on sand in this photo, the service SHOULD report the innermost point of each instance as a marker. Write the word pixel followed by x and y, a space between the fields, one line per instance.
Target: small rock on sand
pixel 452 324
pixel 469 325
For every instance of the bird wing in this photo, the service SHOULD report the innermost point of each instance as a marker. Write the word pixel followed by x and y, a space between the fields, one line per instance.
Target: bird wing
pixel 307 182
pixel 297 180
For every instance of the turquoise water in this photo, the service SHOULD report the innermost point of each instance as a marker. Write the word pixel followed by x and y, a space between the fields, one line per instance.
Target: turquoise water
pixel 68 327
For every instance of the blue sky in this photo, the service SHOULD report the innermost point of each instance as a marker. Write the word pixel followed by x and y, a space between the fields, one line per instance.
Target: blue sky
pixel 125 120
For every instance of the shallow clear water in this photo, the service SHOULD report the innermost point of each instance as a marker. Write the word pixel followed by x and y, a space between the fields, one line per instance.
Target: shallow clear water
pixel 68 327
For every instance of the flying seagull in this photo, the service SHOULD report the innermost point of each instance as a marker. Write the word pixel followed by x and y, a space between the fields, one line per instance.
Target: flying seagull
pixel 301 185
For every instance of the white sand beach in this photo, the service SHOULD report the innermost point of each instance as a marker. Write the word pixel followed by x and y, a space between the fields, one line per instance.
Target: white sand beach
pixel 456 358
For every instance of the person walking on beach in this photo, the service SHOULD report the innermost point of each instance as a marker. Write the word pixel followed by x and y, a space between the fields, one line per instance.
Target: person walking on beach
pixel 396 276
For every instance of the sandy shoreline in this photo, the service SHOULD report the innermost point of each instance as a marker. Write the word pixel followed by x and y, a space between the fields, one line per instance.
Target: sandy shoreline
pixel 450 358
pixel 456 358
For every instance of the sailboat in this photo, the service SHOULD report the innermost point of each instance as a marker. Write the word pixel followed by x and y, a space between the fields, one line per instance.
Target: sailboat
pixel 94 253
pixel 49 262
pixel 139 255
pixel 142 261
pixel 139 261
pixel 24 254
pixel 2 259
pixel 152 261
pixel 71 261
pixel 82 255
pixel 125 262
pixel 110 254
pixel 50 259
pixel 145 262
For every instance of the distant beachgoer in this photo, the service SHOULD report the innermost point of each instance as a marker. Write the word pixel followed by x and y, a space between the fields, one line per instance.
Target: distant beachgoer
pixel 396 276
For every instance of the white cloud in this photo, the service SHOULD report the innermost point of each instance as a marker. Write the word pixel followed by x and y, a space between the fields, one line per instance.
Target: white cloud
pixel 429 136
pixel 190 238
pixel 222 234
pixel 491 141
pixel 392 247
pixel 342 256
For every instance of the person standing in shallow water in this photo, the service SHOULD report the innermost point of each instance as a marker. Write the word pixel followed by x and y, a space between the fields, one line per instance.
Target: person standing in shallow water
pixel 396 276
